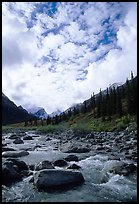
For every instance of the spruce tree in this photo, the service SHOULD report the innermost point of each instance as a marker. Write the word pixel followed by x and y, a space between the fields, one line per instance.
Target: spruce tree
pixel 119 110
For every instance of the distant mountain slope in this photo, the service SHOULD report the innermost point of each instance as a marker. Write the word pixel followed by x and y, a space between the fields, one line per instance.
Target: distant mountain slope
pixel 11 113
pixel 57 112
pixel 41 114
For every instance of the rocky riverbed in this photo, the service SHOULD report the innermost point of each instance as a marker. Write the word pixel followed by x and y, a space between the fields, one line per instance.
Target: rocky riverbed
pixel 69 166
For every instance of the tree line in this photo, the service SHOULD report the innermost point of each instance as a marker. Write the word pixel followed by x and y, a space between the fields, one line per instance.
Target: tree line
pixel 115 101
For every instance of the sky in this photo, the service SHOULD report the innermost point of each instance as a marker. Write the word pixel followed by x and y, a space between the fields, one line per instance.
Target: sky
pixel 56 54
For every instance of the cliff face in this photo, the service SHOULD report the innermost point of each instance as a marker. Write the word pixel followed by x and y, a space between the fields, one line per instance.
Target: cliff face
pixel 11 113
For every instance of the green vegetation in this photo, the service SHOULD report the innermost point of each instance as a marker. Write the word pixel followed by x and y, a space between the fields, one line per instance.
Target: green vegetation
pixel 83 123
pixel 114 110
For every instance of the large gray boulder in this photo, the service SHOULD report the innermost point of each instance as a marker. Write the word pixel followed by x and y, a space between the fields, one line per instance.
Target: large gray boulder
pixel 15 153
pixel 44 165
pixel 57 179
pixel 10 172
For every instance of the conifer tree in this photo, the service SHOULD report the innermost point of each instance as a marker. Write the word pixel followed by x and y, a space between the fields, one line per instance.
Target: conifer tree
pixel 119 110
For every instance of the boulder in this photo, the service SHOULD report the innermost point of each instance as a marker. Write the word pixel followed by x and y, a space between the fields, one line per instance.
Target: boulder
pixel 73 166
pixel 78 150
pixel 19 153
pixel 3 145
pixel 71 158
pixel 13 136
pixel 60 163
pixel 48 139
pixel 4 149
pixel 10 173
pixel 44 165
pixel 18 141
pixel 123 169
pixel 32 167
pixel 20 164
pixel 57 179
pixel 27 137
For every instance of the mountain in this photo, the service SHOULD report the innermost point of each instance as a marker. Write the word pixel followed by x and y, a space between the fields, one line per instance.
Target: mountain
pixel 77 106
pixel 33 109
pixel 21 108
pixel 41 114
pixel 57 112
pixel 11 113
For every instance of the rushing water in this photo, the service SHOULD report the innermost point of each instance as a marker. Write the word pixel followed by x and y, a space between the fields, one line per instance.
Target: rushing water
pixel 99 185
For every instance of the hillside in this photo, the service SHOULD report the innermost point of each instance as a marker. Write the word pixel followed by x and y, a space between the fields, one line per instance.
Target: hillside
pixel 113 108
pixel 12 114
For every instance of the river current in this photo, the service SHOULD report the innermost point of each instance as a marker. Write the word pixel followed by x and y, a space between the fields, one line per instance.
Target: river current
pixel 100 185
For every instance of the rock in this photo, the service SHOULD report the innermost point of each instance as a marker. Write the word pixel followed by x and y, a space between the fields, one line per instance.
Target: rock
pixel 3 145
pixel 71 158
pixel 22 133
pixel 31 180
pixel 90 136
pixel 104 178
pixel 112 157
pixel 15 153
pixel 4 149
pixel 10 173
pixel 60 163
pixel 57 179
pixel 32 167
pixel 44 165
pixel 20 164
pixel 13 136
pixel 48 139
pixel 100 148
pixel 78 150
pixel 123 169
pixel 27 137
pixel 18 141
pixel 73 166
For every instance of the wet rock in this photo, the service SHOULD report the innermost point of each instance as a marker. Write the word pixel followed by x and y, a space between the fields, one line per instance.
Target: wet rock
pixel 100 148
pixel 10 173
pixel 112 157
pixel 104 178
pixel 78 150
pixel 18 141
pixel 56 179
pixel 32 167
pixel 31 180
pixel 48 139
pixel 37 146
pixel 71 158
pixel 27 137
pixel 15 153
pixel 22 133
pixel 25 173
pixel 60 163
pixel 3 144
pixel 20 164
pixel 15 170
pixel 44 165
pixel 4 149
pixel 123 169
pixel 13 136
pixel 73 166
pixel 90 136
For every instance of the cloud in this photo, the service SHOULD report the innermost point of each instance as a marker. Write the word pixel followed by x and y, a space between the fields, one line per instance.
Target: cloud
pixel 56 55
